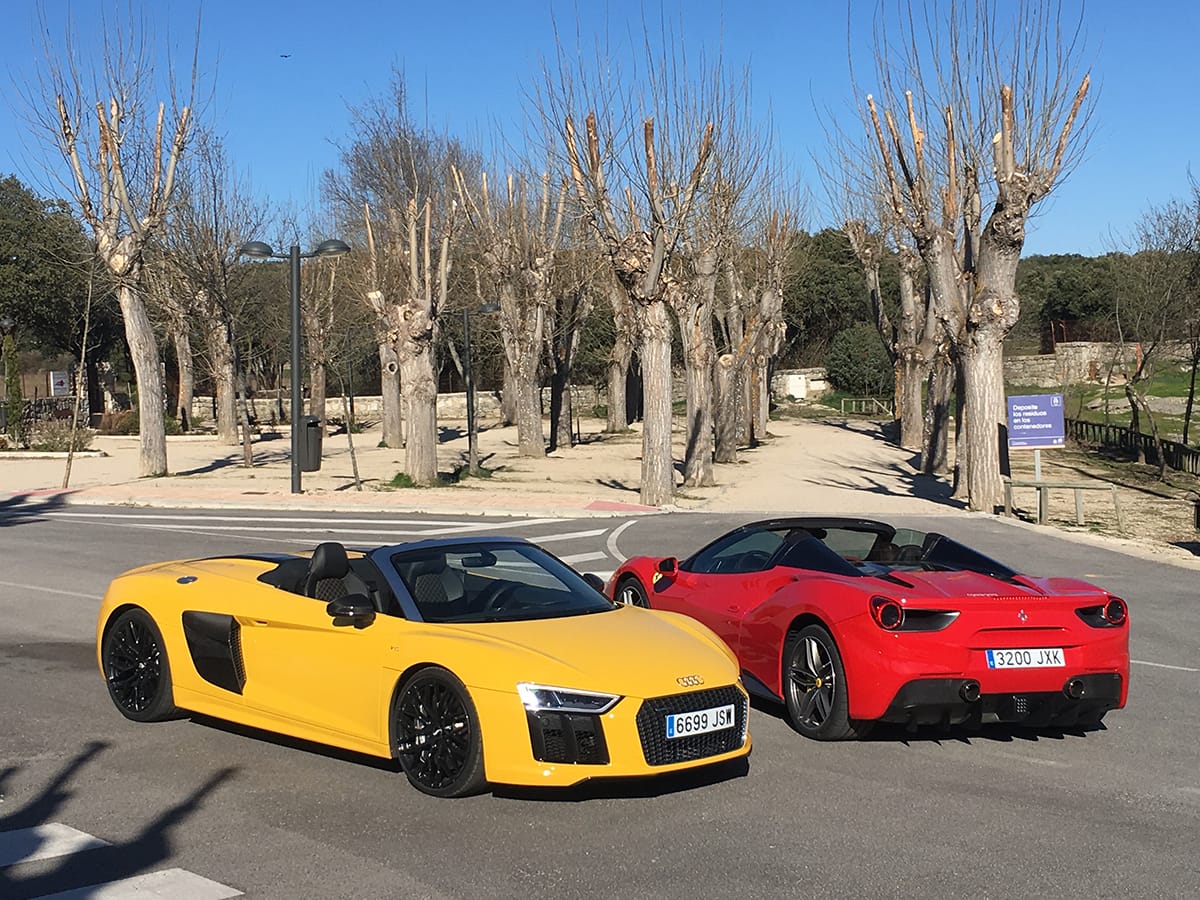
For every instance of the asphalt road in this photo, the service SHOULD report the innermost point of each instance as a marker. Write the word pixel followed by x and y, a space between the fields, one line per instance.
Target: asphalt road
pixel 1114 813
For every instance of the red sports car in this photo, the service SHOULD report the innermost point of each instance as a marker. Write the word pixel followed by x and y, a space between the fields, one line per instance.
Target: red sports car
pixel 848 622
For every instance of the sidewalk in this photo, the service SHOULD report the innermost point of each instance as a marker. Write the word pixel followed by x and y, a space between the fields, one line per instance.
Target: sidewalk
pixel 808 467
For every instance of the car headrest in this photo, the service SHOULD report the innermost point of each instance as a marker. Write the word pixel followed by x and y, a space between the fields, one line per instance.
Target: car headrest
pixel 432 565
pixel 329 561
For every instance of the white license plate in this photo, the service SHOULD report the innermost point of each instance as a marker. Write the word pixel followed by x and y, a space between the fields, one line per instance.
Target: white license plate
pixel 1037 658
pixel 701 721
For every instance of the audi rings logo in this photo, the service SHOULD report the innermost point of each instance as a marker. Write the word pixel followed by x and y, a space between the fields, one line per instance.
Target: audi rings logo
pixel 689 680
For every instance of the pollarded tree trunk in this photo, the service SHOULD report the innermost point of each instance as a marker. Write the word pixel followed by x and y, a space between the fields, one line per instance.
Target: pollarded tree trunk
pixel 508 395
pixel 658 470
pixel 139 332
pixel 910 377
pixel 316 390
pixel 389 377
pixel 699 355
pixel 725 406
pixel 530 439
pixel 220 354
pixel 619 359
pixel 419 385
pixel 935 459
pixel 187 378
pixel 983 371
pixel 561 414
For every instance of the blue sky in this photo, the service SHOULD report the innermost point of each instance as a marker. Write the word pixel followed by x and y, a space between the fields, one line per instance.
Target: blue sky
pixel 468 64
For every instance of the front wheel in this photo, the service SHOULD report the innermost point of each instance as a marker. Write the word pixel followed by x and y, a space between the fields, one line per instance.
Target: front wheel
pixel 631 593
pixel 818 703
pixel 136 669
pixel 437 735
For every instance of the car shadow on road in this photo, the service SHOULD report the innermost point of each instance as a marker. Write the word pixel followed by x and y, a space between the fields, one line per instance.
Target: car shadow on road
pixel 631 788
pixel 151 846
pixel 886 733
pixel 291 743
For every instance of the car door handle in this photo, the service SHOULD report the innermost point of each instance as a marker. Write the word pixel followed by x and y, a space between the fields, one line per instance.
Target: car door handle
pixel 260 623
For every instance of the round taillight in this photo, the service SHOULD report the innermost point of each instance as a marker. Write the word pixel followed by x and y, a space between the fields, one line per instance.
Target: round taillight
pixel 888 614
pixel 1115 612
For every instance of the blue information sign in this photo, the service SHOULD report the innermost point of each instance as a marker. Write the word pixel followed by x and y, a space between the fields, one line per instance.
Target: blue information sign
pixel 1035 422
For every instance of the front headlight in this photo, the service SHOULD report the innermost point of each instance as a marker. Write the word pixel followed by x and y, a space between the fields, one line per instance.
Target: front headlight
pixel 541 696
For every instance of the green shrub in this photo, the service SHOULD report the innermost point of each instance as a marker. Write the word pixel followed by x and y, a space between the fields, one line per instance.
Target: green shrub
pixel 858 364
pixel 125 421
pixel 55 437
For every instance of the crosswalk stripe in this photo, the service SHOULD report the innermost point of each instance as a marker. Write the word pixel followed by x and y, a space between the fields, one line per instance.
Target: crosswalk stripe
pixel 175 884
pixel 566 536
pixel 24 845
pixel 201 516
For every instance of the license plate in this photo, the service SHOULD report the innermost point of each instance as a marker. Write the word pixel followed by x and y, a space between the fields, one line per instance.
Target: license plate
pixel 701 721
pixel 1037 658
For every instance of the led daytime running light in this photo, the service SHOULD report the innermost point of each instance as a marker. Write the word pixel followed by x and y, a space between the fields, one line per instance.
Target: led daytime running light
pixel 546 697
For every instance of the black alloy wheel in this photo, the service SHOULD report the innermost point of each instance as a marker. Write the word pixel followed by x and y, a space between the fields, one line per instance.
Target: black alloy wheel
pixel 818 704
pixel 631 593
pixel 437 737
pixel 136 669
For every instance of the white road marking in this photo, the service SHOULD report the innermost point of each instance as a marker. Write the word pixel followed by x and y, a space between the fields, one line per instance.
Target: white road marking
pixel 611 543
pixel 175 884
pixel 583 557
pixel 293 519
pixel 25 586
pixel 566 536
pixel 1143 662
pixel 24 845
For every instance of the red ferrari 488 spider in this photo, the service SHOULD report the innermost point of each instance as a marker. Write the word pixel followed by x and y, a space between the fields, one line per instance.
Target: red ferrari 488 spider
pixel 848 622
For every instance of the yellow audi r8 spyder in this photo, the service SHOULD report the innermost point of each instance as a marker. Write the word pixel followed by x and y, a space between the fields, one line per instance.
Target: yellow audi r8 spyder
pixel 469 660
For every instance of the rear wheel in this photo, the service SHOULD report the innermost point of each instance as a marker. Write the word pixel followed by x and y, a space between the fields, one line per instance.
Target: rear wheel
pixel 818 703
pixel 631 593
pixel 136 669
pixel 437 735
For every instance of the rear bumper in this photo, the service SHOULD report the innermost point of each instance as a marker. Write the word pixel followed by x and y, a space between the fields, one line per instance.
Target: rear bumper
pixel 1081 699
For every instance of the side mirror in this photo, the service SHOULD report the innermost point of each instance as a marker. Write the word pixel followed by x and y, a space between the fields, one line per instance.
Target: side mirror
pixel 353 609
pixel 595 581
pixel 669 566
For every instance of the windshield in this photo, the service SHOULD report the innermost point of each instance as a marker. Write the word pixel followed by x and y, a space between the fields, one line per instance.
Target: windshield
pixel 494 582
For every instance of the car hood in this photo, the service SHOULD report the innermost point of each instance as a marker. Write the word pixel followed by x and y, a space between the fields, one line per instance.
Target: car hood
pixel 626 651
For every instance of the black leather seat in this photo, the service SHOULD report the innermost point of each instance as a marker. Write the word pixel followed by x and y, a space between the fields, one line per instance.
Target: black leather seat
pixel 327 572
pixel 436 587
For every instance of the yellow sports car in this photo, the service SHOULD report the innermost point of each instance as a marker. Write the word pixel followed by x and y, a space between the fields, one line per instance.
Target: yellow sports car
pixel 470 660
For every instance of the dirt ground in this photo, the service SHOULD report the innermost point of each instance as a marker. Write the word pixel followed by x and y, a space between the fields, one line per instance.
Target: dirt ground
pixel 1159 511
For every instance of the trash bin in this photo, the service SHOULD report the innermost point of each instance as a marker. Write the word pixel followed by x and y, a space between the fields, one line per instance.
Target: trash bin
pixel 310 444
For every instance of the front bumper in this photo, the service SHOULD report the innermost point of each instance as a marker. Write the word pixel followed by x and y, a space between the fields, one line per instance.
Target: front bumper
pixel 952 701
pixel 547 749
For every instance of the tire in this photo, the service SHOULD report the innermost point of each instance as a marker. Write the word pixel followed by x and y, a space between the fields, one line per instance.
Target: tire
pixel 136 669
pixel 631 593
pixel 436 734
pixel 814 687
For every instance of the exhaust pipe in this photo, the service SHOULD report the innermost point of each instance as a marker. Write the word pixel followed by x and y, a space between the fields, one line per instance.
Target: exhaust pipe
pixel 1074 688
pixel 969 691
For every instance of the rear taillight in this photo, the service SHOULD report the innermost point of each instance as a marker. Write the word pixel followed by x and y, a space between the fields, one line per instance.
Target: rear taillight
pixel 1115 612
pixel 888 614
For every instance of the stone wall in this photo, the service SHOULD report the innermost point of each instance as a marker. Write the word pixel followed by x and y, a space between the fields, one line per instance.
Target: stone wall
pixel 799 384
pixel 1073 362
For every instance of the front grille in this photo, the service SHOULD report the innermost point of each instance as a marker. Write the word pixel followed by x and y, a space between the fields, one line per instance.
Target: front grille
pixel 663 751
pixel 567 738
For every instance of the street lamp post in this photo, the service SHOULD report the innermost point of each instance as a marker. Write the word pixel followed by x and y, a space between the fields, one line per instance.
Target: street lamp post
pixel 472 442
pixel 261 250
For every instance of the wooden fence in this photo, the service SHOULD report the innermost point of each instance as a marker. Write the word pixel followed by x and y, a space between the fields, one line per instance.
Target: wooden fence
pixel 1178 456
pixel 867 406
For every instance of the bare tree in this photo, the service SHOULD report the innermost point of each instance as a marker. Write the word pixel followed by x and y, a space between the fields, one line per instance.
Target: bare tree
pixel 1157 295
pixel 978 88
pixel 122 176
pixel 516 237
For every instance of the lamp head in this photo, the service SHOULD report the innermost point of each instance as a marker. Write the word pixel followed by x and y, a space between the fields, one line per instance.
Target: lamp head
pixel 256 250
pixel 331 247
pixel 7 325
